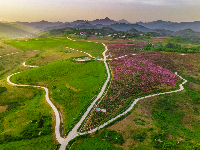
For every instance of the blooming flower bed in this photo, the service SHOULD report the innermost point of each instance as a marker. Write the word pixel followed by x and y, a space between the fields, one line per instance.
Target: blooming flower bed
pixel 133 75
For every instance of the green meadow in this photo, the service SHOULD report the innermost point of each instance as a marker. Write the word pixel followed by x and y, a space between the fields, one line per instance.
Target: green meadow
pixel 72 85
pixel 106 140
pixel 95 49
pixel 40 143
pixel 26 119
pixel 27 122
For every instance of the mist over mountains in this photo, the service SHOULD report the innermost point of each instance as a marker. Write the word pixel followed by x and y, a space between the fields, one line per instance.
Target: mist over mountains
pixel 172 26
pixel 121 25
pixel 158 27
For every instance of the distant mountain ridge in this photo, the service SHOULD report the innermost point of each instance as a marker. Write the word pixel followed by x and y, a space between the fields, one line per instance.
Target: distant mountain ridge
pixel 159 27
pixel 172 26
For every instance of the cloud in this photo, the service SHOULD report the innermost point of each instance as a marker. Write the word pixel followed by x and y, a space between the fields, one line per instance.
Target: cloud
pixel 145 2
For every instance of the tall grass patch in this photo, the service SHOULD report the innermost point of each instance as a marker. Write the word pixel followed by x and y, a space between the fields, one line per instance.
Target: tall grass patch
pixel 177 115
pixel 27 123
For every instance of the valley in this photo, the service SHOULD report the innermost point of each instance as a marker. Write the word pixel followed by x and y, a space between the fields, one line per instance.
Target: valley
pixel 66 92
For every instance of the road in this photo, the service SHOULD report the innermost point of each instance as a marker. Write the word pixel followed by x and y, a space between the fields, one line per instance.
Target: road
pixel 72 134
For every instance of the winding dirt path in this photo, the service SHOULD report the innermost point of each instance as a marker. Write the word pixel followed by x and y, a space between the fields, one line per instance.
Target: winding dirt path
pixel 132 105
pixel 74 132
pixel 57 127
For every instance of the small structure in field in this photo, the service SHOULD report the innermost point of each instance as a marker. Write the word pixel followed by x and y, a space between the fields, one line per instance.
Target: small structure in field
pixel 100 110
pixel 96 57
pixel 82 59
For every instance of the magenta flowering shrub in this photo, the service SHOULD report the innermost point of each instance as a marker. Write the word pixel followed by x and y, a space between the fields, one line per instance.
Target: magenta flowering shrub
pixel 135 75
pixel 119 49
pixel 132 75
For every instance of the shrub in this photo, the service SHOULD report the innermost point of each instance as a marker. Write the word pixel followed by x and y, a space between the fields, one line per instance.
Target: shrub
pixel 112 137
pixel 4 138
pixel 37 55
pixel 140 137
pixel 1 68
pixel 3 89
pixel 129 42
pixel 111 39
pixel 12 106
pixel 137 75
pixel 31 130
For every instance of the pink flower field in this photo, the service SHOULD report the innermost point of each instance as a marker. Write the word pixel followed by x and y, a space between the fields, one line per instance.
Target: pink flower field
pixel 132 76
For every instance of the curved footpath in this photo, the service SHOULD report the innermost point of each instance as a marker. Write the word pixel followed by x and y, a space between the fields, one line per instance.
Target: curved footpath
pixel 72 134
pixel 24 64
pixel 132 105
pixel 57 127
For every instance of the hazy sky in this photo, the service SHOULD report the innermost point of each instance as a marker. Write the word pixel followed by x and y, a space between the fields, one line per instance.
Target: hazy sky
pixel 70 10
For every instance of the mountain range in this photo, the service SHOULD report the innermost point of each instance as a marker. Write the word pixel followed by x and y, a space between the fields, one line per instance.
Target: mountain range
pixel 158 27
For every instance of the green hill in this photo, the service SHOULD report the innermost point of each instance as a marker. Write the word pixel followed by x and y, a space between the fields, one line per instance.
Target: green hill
pixel 8 30
pixel 187 32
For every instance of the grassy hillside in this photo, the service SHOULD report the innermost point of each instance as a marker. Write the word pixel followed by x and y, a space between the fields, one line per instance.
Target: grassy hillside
pixel 26 123
pixel 40 143
pixel 95 49
pixel 8 30
pixel 72 85
pixel 109 140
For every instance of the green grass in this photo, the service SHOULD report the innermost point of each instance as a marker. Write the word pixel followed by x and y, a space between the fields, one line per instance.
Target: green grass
pixel 94 49
pixel 21 123
pixel 40 143
pixel 52 55
pixel 14 94
pixel 169 114
pixel 18 116
pixel 93 143
pixel 72 85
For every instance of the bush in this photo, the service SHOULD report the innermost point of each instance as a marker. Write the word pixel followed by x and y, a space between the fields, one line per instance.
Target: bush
pixel 3 89
pixel 137 75
pixel 112 137
pixel 31 130
pixel 140 137
pixel 111 39
pixel 12 106
pixel 4 138
pixel 130 43
pixel 1 68
pixel 37 55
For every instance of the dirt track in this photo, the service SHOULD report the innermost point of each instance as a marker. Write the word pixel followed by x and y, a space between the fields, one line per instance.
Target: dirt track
pixel 156 39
